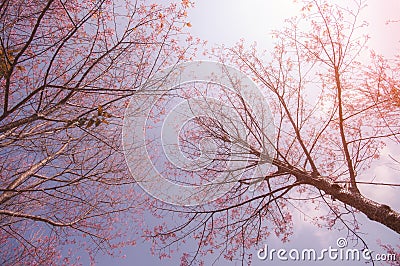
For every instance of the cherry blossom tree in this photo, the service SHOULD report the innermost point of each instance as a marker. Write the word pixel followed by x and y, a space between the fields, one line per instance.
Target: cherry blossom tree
pixel 67 69
pixel 333 113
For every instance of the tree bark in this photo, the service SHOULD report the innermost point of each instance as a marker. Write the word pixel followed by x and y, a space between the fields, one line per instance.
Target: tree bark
pixel 375 211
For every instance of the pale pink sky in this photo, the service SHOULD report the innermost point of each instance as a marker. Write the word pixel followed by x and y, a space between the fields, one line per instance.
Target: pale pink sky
pixel 225 22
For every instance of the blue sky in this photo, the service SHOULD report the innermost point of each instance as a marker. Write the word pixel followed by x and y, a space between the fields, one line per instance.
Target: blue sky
pixel 225 22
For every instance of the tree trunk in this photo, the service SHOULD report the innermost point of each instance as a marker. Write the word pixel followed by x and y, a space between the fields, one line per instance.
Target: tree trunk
pixel 375 211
